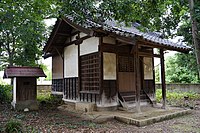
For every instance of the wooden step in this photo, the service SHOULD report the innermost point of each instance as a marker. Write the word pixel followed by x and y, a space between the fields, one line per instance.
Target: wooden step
pixel 128 99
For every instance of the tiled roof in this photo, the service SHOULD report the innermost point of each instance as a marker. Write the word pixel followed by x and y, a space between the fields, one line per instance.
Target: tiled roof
pixel 122 30
pixel 14 71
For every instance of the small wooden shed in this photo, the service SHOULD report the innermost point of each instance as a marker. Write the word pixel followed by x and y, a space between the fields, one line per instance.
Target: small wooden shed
pixel 24 86
pixel 107 64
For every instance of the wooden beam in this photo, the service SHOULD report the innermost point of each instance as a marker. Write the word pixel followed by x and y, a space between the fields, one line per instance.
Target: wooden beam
pixel 160 46
pixel 117 68
pixel 63 34
pixel 101 65
pixel 74 33
pixel 76 41
pixel 77 27
pixel 79 72
pixel 137 77
pixel 163 78
pixel 58 52
pixel 63 65
pixel 149 54
pixel 54 34
pixel 125 40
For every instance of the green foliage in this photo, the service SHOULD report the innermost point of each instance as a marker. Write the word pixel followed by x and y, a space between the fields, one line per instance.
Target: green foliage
pixel 13 126
pixel 44 97
pixel 156 15
pixel 47 72
pixel 49 75
pixel 5 93
pixel 157 74
pixel 48 100
pixel 176 98
pixel 181 68
pixel 22 30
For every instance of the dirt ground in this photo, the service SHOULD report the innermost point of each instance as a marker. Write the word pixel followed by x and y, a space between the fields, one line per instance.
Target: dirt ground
pixel 52 120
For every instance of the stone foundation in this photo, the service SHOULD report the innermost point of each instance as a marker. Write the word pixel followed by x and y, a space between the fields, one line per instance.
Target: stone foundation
pixel 86 107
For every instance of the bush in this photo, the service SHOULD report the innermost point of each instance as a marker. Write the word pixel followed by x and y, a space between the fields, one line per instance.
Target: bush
pixel 176 98
pixel 5 93
pixel 13 126
pixel 48 100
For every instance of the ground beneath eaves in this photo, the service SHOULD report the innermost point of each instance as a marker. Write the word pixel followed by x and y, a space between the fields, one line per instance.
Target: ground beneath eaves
pixel 52 120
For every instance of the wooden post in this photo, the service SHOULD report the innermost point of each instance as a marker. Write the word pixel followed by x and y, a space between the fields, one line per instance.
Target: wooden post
pixel 63 65
pixel 137 77
pixel 14 92
pixel 79 73
pixel 101 69
pixel 163 78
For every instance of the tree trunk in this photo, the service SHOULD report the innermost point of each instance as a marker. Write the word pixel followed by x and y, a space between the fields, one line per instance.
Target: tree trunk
pixel 196 40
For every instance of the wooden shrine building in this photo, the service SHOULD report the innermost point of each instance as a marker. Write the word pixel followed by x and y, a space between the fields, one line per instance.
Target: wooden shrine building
pixel 24 86
pixel 107 64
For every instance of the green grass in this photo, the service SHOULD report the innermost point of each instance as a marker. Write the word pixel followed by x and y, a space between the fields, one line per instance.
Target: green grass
pixel 177 98
pixel 13 126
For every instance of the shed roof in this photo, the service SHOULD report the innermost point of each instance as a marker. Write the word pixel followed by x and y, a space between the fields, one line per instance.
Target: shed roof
pixel 111 28
pixel 15 71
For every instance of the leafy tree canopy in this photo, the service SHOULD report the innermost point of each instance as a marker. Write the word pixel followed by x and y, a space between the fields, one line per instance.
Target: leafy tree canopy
pixel 22 30
pixel 160 15
pixel 181 68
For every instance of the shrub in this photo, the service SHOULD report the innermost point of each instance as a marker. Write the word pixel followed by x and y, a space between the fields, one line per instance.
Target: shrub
pixel 176 98
pixel 48 100
pixel 5 93
pixel 13 126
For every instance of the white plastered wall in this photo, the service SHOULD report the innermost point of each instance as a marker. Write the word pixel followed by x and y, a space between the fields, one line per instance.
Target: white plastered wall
pixel 71 54
pixel 148 68
pixel 89 45
pixel 71 61
pixel 109 66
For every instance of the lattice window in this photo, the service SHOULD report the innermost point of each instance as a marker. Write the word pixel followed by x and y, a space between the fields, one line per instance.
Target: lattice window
pixel 90 72
pixel 126 63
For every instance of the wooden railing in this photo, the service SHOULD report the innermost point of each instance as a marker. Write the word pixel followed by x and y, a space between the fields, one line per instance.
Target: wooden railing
pixel 90 96
pixel 71 88
pixel 57 85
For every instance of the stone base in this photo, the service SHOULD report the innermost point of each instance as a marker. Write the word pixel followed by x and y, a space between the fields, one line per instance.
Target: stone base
pixel 86 107
pixel 28 105
pixel 151 120
pixel 107 108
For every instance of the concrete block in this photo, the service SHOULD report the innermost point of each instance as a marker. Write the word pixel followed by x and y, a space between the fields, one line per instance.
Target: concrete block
pixel 107 108
pixel 85 107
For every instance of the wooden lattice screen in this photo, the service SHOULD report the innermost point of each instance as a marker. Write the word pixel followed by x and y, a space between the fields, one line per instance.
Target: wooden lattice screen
pixel 126 64
pixel 57 85
pixel 90 72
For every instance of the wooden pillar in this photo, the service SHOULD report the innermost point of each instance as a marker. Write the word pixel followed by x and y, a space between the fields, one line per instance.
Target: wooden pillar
pixel 101 69
pixel 14 92
pixel 163 78
pixel 137 77
pixel 63 67
pixel 79 73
